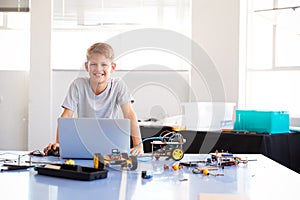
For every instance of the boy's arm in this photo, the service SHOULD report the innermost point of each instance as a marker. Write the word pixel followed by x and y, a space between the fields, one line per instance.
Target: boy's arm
pixel 129 113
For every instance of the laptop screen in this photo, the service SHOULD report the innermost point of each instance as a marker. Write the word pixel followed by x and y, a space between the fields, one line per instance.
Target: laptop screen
pixel 83 137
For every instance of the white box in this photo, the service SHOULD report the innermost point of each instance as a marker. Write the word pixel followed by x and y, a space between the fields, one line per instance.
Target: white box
pixel 207 116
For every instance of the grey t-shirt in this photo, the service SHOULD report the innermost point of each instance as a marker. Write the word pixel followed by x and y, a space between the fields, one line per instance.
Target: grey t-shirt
pixel 81 98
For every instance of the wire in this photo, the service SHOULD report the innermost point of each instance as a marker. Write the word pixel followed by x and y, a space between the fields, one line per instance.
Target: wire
pixel 164 132
pixel 37 153
pixel 167 133
pixel 145 158
pixel 176 134
pixel 7 153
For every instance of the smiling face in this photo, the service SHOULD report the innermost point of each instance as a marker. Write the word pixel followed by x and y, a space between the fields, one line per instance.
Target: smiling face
pixel 100 69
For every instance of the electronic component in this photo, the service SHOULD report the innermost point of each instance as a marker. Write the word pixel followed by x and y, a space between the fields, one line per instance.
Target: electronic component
pixel 145 175
pixel 226 159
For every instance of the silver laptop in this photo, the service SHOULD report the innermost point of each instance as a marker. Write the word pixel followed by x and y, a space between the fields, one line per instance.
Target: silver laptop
pixel 82 137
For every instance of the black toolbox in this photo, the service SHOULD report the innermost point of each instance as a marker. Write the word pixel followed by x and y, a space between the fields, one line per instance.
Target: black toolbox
pixel 76 172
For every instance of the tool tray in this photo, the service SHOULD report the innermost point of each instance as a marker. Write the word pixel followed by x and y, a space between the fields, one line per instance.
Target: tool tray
pixel 76 172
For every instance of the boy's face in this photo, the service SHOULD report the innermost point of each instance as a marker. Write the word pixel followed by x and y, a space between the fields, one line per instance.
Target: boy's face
pixel 99 68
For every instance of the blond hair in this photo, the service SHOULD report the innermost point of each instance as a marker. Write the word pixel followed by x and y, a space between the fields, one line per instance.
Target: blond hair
pixel 101 48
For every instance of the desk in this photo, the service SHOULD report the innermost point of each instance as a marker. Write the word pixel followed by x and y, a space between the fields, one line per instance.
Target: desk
pixel 261 179
pixel 283 148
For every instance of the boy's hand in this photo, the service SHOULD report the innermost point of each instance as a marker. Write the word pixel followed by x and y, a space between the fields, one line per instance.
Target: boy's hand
pixel 137 151
pixel 51 146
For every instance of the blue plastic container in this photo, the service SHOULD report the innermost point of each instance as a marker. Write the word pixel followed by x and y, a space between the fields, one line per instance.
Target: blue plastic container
pixel 270 122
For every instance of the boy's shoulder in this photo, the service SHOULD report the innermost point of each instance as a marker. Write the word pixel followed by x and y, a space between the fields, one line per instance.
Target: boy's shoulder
pixel 116 82
pixel 115 79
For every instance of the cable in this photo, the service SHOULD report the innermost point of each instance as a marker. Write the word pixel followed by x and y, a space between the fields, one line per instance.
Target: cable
pixel 168 132
pixel 5 153
pixel 148 158
pixel 176 134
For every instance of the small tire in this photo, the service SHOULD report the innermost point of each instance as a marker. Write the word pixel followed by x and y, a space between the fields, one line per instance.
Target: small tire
pixel 177 154
pixel 133 163
pixel 98 161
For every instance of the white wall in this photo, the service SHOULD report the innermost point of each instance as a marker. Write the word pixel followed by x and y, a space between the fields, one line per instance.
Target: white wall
pixel 215 29
pixel 40 76
pixel 13 110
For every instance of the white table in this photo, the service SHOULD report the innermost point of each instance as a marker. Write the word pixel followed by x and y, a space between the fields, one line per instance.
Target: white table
pixel 261 179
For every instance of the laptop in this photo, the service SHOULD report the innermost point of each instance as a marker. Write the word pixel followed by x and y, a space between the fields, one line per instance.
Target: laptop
pixel 81 138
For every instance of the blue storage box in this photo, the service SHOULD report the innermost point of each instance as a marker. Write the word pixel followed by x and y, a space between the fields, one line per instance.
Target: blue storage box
pixel 271 122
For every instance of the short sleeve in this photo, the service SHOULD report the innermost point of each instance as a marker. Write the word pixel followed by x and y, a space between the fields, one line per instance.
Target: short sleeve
pixel 124 94
pixel 72 97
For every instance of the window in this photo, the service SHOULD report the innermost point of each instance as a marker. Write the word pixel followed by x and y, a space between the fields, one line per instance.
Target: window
pixel 288 34
pixel 15 40
pixel 272 60
pixel 260 37
pixel 78 24
pixel 274 33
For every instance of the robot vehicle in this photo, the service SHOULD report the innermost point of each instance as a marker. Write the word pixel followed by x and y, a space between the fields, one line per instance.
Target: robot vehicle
pixel 115 158
pixel 170 146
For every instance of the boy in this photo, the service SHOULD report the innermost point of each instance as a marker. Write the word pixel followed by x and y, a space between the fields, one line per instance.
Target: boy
pixel 100 95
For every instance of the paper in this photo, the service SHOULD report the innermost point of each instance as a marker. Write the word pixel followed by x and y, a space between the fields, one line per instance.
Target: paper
pixel 222 197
